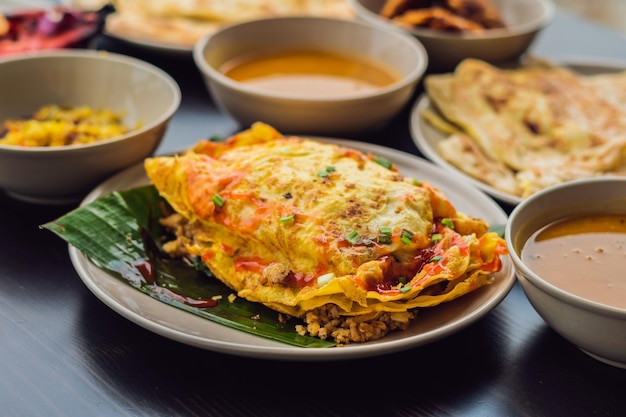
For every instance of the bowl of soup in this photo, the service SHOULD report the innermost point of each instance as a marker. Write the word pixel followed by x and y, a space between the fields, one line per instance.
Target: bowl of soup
pixel 311 75
pixel 568 246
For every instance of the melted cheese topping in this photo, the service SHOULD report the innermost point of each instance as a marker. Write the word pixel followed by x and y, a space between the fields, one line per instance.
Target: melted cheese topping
pixel 296 224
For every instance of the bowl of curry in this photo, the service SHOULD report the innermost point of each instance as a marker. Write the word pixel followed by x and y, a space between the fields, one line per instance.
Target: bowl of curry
pixel 71 118
pixel 311 75
pixel 568 246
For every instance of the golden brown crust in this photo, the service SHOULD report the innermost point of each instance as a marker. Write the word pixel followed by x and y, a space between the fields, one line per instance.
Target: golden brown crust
pixel 472 16
pixel 393 8
pixel 438 19
pixel 481 12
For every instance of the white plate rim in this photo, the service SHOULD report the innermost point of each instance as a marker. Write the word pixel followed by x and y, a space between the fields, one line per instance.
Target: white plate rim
pixel 184 327
pixel 426 142
pixel 137 41
pixel 154 46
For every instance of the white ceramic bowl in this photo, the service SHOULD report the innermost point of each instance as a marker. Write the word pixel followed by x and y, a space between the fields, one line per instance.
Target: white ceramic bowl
pixel 143 92
pixel 597 329
pixel 525 19
pixel 345 115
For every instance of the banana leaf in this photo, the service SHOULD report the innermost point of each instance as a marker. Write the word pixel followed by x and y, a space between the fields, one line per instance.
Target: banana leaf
pixel 120 233
pixel 498 228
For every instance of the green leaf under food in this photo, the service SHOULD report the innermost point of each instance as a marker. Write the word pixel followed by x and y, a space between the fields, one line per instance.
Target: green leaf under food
pixel 498 228
pixel 120 233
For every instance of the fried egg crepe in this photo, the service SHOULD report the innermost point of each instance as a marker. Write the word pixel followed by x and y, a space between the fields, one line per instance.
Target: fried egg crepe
pixel 298 224
pixel 530 127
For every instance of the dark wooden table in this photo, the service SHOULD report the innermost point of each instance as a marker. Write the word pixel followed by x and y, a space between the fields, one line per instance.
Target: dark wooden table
pixel 64 353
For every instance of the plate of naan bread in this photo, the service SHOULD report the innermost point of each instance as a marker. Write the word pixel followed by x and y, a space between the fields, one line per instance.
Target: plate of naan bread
pixel 514 131
pixel 175 25
pixel 371 248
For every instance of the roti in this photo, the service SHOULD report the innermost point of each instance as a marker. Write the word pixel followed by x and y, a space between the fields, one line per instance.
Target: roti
pixel 525 129
pixel 180 23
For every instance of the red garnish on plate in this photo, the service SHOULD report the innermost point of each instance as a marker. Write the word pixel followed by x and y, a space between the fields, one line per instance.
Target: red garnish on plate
pixel 53 28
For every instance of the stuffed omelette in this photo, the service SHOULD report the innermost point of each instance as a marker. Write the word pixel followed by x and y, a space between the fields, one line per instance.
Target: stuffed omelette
pixel 325 233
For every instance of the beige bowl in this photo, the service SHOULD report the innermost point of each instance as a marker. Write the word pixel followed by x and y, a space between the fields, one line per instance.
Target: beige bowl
pixel 342 115
pixel 65 174
pixel 525 19
pixel 597 329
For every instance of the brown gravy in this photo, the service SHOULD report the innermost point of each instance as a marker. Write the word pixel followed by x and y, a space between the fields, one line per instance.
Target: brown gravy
pixel 583 255
pixel 309 73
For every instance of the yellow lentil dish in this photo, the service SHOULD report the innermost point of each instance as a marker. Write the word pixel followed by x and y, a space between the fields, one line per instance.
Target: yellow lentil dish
pixel 54 125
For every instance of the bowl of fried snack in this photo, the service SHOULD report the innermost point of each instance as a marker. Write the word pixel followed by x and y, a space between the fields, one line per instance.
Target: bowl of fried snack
pixel 496 31
pixel 309 74
pixel 70 118
pixel 567 243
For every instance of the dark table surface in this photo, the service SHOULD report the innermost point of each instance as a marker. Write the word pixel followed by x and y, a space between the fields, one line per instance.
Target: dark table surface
pixel 65 353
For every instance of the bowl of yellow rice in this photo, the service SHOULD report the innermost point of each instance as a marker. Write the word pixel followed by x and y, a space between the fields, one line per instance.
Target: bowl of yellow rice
pixel 71 118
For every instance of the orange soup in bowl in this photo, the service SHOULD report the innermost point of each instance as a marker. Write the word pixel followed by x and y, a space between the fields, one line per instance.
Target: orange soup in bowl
pixel 583 255
pixel 309 73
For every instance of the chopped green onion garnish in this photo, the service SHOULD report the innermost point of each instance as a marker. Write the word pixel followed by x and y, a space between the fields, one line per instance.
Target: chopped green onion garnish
pixel 448 223
pixel 406 288
pixel 326 172
pixel 218 200
pixel 382 161
pixel 407 236
pixel 386 230
pixel 435 258
pixel 353 237
pixel 402 279
pixel 416 182
pixel 325 279
pixel 384 239
pixel 436 237
pixel 287 219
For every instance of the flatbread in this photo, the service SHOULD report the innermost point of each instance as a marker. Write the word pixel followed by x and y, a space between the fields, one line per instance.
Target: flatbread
pixel 180 23
pixel 544 125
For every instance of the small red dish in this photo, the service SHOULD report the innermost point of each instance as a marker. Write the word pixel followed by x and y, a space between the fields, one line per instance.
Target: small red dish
pixel 53 28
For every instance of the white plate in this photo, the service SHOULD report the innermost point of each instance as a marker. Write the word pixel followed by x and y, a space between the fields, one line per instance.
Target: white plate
pixel 426 137
pixel 136 41
pixel 153 46
pixel 430 325
pixel 140 40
